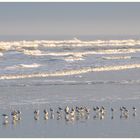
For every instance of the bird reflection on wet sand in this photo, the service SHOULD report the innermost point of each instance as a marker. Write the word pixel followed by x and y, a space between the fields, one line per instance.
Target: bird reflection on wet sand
pixel 72 114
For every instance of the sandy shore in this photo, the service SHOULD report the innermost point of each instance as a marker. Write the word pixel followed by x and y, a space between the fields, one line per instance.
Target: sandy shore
pixel 110 89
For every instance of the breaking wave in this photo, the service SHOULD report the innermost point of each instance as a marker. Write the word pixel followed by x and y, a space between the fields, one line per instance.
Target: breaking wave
pixel 73 58
pixel 116 57
pixel 23 66
pixel 18 45
pixel 50 58
pixel 71 72
pixel 79 54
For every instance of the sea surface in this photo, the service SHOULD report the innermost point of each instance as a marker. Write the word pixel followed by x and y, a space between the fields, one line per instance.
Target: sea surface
pixel 40 74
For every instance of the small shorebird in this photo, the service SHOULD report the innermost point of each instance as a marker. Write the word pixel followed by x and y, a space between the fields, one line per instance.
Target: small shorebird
pixel 87 110
pixel 67 110
pixel 46 114
pixel 36 112
pixel 112 113
pixel 81 111
pixel 15 115
pixel 51 110
pixel 52 113
pixel 124 112
pixel 5 122
pixel 73 109
pixel 19 112
pixel 97 108
pixel 94 108
pixel 72 113
pixel 5 116
pixel 112 110
pixel 134 109
pixel 59 112
pixel 77 109
pixel 102 110
pixel 45 111
pixel 60 109
pixel 14 112
pixel 5 119
pixel 124 108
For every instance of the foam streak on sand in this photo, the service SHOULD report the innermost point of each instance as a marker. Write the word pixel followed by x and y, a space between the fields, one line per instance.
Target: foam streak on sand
pixel 72 72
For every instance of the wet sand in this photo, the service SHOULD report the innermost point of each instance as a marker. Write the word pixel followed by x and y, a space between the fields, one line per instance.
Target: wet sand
pixel 108 89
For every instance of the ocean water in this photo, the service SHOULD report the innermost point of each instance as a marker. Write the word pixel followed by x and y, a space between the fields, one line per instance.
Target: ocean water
pixel 39 74
pixel 51 58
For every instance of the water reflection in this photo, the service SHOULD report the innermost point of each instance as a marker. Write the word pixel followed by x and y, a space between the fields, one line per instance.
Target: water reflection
pixel 73 114
pixel 5 122
pixel 52 116
pixel 36 118
pixel 134 114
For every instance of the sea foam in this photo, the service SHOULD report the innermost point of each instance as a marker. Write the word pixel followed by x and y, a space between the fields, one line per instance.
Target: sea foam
pixel 71 72
pixel 23 66
pixel 18 45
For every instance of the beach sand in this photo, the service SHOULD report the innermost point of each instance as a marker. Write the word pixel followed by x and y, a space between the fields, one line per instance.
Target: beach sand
pixel 108 89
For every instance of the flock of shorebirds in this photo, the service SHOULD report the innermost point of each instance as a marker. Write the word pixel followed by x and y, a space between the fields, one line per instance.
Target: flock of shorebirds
pixel 71 114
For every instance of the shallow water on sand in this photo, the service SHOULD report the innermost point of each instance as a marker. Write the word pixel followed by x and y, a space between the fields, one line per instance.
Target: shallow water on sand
pixel 28 95
pixel 89 126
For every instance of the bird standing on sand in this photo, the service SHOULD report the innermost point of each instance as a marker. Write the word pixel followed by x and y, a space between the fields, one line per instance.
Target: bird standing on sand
pixel 72 113
pixel 102 110
pixel 15 115
pixel 87 110
pixel 36 114
pixel 112 113
pixel 94 108
pixel 46 114
pixel 134 111
pixel 60 109
pixel 14 112
pixel 52 113
pixel 97 109
pixel 67 110
pixel 51 110
pixel 5 119
pixel 5 116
